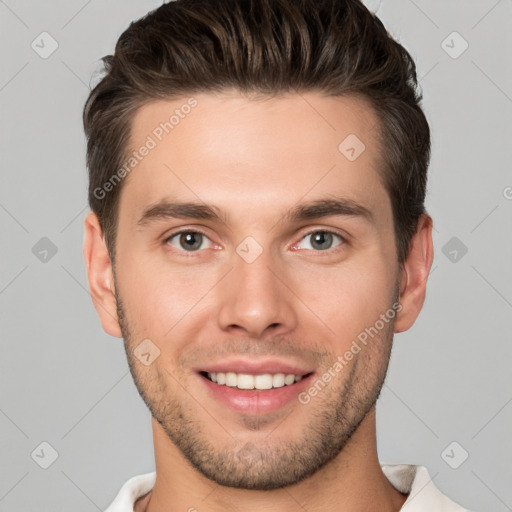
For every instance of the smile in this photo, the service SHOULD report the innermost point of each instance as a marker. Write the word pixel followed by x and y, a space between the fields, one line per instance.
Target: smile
pixel 255 394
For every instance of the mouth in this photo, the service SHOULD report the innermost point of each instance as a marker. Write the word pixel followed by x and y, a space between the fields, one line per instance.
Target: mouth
pixel 254 394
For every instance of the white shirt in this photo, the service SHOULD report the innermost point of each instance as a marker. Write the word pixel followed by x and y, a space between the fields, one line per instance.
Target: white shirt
pixel 423 495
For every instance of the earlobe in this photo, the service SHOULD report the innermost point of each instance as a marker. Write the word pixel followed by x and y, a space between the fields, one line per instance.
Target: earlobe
pixel 414 274
pixel 100 275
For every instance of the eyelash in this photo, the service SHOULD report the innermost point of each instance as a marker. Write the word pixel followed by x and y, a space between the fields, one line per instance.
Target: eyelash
pixel 309 233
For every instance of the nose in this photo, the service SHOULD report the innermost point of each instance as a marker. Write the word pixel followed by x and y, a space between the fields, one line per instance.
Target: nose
pixel 256 298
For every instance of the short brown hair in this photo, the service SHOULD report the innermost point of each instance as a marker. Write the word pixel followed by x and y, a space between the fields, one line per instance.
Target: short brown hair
pixel 336 47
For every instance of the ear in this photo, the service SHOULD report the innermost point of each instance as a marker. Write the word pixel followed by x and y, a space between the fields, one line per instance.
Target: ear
pixel 414 274
pixel 100 276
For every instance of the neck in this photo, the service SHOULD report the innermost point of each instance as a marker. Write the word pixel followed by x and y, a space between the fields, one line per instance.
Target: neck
pixel 353 481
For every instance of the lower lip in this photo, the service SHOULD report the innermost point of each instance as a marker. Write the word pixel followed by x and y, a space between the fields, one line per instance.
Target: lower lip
pixel 253 401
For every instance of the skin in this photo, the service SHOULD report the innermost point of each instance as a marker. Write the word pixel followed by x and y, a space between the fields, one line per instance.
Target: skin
pixel 256 159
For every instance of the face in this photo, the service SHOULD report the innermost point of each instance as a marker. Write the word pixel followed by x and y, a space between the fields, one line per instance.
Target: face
pixel 249 243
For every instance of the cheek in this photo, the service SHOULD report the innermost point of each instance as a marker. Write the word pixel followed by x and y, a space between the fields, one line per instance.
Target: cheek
pixel 158 297
pixel 348 298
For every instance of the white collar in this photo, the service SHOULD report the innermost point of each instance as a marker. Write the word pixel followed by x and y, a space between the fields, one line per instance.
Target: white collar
pixel 408 479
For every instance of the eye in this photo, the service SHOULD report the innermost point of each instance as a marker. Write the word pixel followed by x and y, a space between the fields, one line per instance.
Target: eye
pixel 190 241
pixel 320 240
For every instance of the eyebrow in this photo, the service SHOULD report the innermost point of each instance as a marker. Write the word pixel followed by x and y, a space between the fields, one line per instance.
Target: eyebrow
pixel 306 211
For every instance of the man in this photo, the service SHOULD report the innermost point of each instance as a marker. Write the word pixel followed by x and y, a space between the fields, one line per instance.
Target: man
pixel 257 235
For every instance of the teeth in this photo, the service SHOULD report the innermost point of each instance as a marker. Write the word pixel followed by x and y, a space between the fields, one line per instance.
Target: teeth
pixel 278 380
pixel 246 381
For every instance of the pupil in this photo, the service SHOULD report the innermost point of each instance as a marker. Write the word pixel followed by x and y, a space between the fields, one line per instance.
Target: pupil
pixel 321 238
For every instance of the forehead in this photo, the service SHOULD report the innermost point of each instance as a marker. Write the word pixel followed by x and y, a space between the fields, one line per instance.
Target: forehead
pixel 258 154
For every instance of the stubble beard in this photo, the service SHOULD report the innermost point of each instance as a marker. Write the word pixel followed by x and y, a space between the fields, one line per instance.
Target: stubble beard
pixel 278 461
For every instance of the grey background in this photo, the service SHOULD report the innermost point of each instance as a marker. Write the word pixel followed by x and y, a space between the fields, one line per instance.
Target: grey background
pixel 65 382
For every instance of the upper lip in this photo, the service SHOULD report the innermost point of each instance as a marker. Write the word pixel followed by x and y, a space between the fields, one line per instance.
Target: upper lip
pixel 255 367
